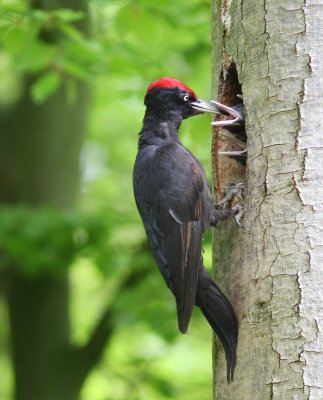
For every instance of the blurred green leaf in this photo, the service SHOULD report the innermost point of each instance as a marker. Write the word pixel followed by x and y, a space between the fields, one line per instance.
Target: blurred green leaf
pixel 45 86
pixel 45 239
pixel 67 15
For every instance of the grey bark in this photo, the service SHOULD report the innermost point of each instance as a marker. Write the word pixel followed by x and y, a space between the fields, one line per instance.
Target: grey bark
pixel 273 269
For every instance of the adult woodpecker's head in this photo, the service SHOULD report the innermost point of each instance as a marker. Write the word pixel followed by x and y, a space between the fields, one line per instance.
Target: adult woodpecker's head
pixel 168 97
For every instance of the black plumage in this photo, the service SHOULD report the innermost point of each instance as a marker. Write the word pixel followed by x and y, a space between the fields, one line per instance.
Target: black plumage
pixel 174 201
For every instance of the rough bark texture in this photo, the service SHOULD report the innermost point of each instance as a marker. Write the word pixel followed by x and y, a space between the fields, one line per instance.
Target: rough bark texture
pixel 273 270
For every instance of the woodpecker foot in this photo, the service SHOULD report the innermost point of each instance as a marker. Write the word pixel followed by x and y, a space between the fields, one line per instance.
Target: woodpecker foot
pixel 233 193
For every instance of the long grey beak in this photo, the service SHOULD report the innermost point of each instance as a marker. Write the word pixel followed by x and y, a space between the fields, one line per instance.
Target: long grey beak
pixel 222 109
pixel 205 106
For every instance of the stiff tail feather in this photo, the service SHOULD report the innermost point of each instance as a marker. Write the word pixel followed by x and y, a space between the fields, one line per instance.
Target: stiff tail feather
pixel 220 315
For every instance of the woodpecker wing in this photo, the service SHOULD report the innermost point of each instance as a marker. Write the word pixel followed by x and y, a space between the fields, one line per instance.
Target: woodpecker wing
pixel 174 201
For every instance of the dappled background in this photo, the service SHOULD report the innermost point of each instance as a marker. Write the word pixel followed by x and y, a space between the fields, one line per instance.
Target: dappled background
pixel 107 56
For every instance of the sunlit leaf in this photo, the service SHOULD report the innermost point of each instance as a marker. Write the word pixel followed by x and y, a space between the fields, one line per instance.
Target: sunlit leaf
pixel 45 86
pixel 68 15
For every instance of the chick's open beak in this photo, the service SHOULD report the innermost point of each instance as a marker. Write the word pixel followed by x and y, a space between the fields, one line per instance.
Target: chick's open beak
pixel 235 116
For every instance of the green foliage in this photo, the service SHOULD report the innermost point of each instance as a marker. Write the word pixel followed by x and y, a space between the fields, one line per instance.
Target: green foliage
pixel 128 37
pixel 130 44
pixel 45 240
pixel 45 86
pixel 47 43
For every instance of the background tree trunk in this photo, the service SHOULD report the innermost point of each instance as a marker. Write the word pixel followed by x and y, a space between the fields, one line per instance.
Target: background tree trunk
pixel 40 148
pixel 272 270
pixel 39 166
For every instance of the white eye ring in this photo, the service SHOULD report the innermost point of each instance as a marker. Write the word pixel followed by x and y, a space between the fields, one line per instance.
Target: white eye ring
pixel 186 97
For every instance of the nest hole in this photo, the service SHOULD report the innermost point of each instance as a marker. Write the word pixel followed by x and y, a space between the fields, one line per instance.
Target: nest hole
pixel 228 169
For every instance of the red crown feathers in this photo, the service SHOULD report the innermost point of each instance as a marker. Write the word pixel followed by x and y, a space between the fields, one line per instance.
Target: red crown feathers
pixel 169 83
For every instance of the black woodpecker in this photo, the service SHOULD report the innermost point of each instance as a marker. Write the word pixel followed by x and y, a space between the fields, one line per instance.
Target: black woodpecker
pixel 175 204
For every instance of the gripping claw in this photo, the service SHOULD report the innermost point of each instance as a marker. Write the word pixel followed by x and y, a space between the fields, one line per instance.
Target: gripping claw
pixel 233 192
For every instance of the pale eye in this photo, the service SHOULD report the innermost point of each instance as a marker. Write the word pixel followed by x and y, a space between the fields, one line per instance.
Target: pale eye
pixel 186 97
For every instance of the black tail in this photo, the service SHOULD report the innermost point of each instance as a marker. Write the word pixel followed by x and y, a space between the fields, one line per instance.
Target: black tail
pixel 220 315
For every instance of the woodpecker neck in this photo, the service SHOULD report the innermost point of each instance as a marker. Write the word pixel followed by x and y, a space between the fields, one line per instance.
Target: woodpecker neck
pixel 159 129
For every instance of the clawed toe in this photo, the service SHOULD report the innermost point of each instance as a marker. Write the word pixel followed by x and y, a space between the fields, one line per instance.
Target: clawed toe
pixel 234 192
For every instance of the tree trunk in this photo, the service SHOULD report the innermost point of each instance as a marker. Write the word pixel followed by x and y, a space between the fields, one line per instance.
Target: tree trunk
pixel 39 165
pixel 272 270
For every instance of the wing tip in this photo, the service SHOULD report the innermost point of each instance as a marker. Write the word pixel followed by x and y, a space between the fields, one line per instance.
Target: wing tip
pixel 183 321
